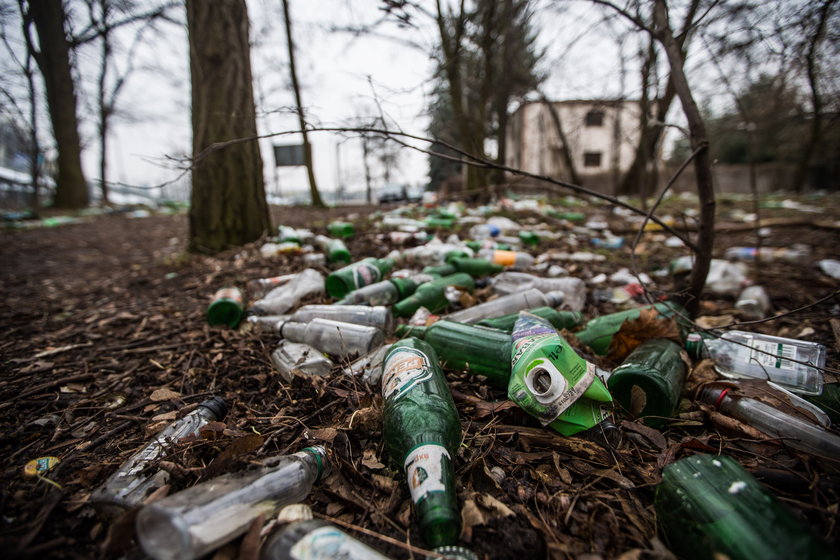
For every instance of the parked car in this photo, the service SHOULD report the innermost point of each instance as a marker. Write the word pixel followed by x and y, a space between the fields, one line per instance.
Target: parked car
pixel 392 193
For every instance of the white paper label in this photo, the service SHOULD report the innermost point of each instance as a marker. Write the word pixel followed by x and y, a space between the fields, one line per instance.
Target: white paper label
pixel 328 543
pixel 404 369
pixel 424 470
pixel 773 355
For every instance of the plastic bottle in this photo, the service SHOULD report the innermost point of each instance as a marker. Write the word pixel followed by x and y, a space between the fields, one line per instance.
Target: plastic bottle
pixel 504 305
pixel 314 539
pixel 341 229
pixel 422 432
pixel 483 231
pixel 226 307
pixel 475 267
pixel 259 287
pixel 377 316
pixel 133 481
pixel 710 507
pixel 197 520
pixel 369 366
pixel 753 303
pixel 509 259
pixel 724 277
pixel 293 357
pixel 308 282
pixel 286 234
pixel 791 430
pixel 335 249
pixel 433 253
pixel 357 275
pixel 739 354
pixel 830 267
pixel 599 332
pixel 551 382
pixel 431 295
pixel 385 292
pixel 649 381
pixel 574 289
pixel 335 338
pixel 477 350
pixel 559 319
pixel 797 253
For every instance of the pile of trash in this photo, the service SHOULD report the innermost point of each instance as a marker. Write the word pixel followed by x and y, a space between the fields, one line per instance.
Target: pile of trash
pixel 495 307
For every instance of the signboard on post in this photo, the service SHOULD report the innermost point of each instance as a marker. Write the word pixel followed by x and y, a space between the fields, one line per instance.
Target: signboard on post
pixel 287 156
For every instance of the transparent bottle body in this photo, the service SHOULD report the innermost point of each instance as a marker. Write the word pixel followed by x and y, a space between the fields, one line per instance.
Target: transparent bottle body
pixel 316 540
pixel 130 485
pixel 753 303
pixel 794 432
pixel 294 357
pixel 505 305
pixel 199 519
pixel 740 354
pixel 377 316
pixel 259 287
pixel 334 337
pixel 279 300
pixel 369 366
pixel 574 289
pixel 380 293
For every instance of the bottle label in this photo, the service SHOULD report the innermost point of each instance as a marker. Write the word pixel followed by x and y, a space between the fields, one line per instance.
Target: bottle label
pixel 773 355
pixel 424 470
pixel 404 369
pixel 229 293
pixel 329 542
pixel 364 274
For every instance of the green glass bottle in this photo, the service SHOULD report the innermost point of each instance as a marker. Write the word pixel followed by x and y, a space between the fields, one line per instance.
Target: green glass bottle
pixel 226 307
pixel 598 333
pixel 649 381
pixel 422 433
pixel 559 319
pixel 439 222
pixel 476 267
pixel 335 249
pixel 341 229
pixel 529 238
pixel 477 350
pixel 354 276
pixel 431 294
pixel 711 507
pixel 828 401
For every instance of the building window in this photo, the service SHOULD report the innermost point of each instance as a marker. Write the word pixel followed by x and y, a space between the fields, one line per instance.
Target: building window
pixel 595 117
pixel 592 159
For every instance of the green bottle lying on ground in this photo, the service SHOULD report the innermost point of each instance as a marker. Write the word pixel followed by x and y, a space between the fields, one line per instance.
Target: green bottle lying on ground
pixel 422 433
pixel 599 332
pixel 431 295
pixel 551 382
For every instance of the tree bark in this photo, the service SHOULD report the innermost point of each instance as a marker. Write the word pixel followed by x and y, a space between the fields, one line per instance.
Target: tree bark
pixel 702 164
pixel 53 59
pixel 307 147
pixel 561 135
pixel 228 205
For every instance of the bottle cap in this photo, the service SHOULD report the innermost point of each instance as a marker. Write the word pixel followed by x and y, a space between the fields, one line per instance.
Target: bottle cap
pixel 555 298
pixel 455 553
pixel 217 406
pixel 712 393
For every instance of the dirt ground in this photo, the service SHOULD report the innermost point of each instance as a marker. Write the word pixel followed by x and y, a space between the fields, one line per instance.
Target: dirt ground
pixel 99 315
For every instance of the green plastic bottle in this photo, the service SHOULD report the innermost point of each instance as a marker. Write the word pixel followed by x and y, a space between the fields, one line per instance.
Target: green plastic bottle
pixel 341 229
pixel 477 350
pixel 551 382
pixel 476 267
pixel 422 433
pixel 711 507
pixel 226 307
pixel 352 277
pixel 335 249
pixel 431 294
pixel 559 319
pixel 598 333
pixel 649 382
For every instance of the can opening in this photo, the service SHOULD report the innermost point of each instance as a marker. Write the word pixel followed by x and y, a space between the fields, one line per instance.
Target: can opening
pixel 542 381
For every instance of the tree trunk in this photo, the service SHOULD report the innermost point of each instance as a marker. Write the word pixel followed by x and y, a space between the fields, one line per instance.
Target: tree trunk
pixel 228 205
pixel 702 163
pixel 561 134
pixel 104 109
pixel 54 61
pixel 307 147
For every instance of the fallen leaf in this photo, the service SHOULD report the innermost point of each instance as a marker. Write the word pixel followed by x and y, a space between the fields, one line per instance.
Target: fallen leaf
pixel 239 446
pixel 165 416
pixel 614 475
pixel 650 324
pixel 713 322
pixel 498 509
pixel 653 435
pixel 370 461
pixel 324 434
pixel 471 516
pixel 164 395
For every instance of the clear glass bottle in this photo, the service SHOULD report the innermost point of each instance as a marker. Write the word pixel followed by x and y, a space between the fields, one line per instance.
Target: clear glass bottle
pixel 753 303
pixel 315 539
pixel 385 292
pixel 294 357
pixel 740 354
pixel 574 289
pixel 422 432
pixel 369 366
pixel 710 508
pixel 791 430
pixel 335 249
pixel 258 287
pixel 377 316
pixel 134 481
pixel 279 300
pixel 505 305
pixel 200 519
pixel 340 340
